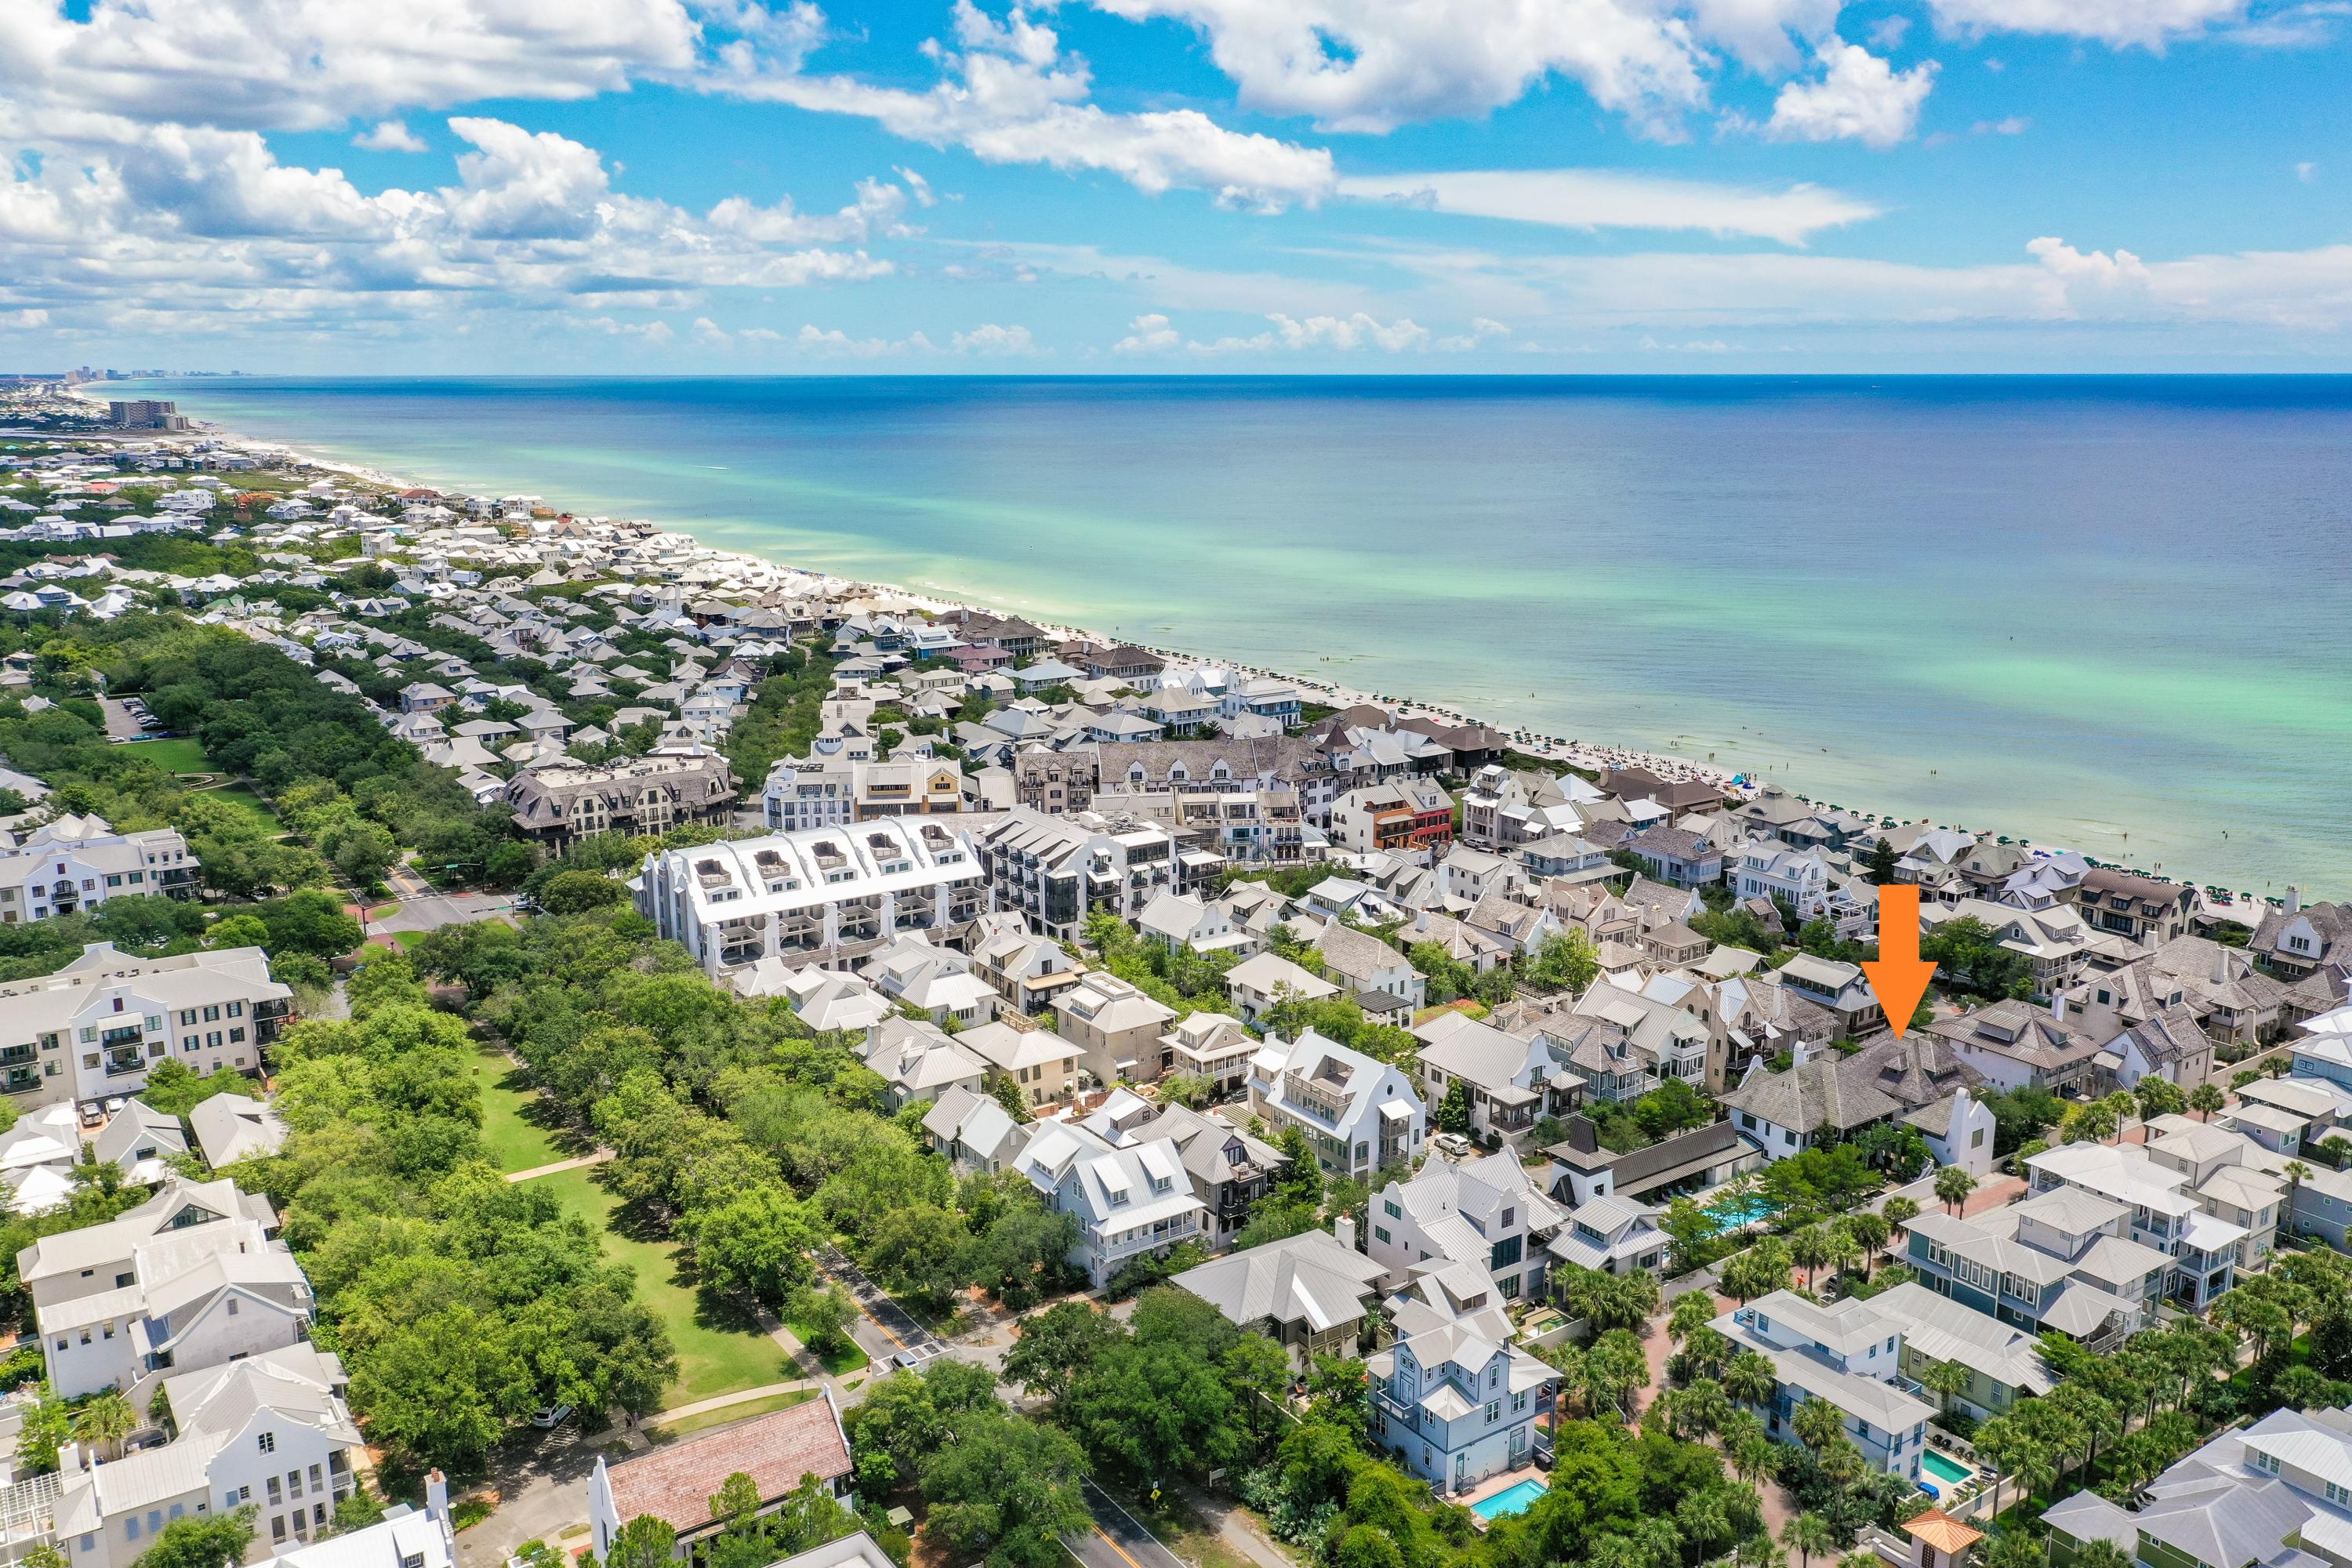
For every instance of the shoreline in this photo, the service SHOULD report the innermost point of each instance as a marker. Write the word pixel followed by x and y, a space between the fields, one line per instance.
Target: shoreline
pixel 1573 751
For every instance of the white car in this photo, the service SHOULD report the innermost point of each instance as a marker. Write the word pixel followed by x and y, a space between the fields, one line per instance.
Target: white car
pixel 551 1415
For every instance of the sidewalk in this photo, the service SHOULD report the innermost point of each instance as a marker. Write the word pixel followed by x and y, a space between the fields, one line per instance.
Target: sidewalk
pixel 1233 1529
pixel 598 1158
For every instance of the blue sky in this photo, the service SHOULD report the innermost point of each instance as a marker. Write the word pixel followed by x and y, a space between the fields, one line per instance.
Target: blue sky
pixel 1170 185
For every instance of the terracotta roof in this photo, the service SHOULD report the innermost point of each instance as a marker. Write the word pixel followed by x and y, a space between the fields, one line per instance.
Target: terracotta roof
pixel 1942 1531
pixel 675 1484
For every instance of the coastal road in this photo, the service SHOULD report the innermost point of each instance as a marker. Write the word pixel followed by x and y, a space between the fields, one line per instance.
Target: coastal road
pixel 1119 1539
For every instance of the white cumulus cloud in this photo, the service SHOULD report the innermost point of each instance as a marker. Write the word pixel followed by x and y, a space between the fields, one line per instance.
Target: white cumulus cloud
pixel 2119 23
pixel 1858 97
pixel 1147 335
pixel 1011 95
pixel 993 342
pixel 1339 334
pixel 389 136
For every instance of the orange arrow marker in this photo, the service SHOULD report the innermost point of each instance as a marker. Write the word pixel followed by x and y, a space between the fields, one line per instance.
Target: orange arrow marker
pixel 1899 976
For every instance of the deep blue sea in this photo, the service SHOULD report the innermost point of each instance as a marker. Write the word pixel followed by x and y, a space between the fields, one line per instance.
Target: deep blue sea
pixel 2111 613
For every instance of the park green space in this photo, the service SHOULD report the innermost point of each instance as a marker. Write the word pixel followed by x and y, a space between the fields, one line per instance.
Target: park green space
pixel 516 1123
pixel 179 754
pixel 720 1349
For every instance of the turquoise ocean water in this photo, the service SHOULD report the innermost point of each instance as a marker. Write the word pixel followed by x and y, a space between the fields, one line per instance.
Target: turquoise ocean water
pixel 2115 614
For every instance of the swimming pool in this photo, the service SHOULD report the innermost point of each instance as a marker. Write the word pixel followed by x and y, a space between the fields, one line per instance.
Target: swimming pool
pixel 1504 1504
pixel 1733 1212
pixel 1942 1468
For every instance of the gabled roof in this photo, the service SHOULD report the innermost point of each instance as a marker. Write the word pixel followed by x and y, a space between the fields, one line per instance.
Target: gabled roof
pixel 675 1484
pixel 1308 1278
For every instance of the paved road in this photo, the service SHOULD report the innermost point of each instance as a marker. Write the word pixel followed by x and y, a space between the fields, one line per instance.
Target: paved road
pixel 886 1329
pixel 1119 1539
pixel 430 912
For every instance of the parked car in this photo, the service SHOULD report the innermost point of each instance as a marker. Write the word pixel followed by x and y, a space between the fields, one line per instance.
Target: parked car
pixel 549 1416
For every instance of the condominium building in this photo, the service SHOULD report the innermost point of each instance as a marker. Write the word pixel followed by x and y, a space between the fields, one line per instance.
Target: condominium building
pixel 824 896
pixel 74 864
pixel 92 1031
pixel 828 791
pixel 672 787
pixel 1054 870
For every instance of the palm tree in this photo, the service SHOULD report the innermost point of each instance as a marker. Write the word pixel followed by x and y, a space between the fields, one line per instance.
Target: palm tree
pixel 2121 1105
pixel 2297 1173
pixel 1707 1350
pixel 2014 1548
pixel 1946 1380
pixel 1692 1310
pixel 2000 1444
pixel 105 1421
pixel 2097 1554
pixel 1751 1379
pixel 2206 1098
pixel 1953 1186
pixel 1706 1406
pixel 2158 1096
pixel 1845 1253
pixel 1753 1455
pixel 1870 1232
pixel 1806 1534
pixel 1811 1248
pixel 1817 1423
pixel 1899 1211
pixel 1842 1463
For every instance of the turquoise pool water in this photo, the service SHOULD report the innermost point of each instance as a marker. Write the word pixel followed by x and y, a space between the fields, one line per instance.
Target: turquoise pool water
pixel 1502 1505
pixel 1942 1468
pixel 1733 1212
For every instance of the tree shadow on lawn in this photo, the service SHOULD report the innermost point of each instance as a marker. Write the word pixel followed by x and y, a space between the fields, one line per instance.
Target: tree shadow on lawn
pixel 543 1113
pixel 714 1309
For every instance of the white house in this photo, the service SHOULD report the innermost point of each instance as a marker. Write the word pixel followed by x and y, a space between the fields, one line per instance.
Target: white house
pixel 1487 1213
pixel 271 1432
pixel 1508 1080
pixel 1256 985
pixel 1360 1114
pixel 1130 1202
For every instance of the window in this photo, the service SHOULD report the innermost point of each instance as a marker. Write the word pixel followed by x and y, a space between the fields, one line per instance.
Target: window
pixel 1494 1411
pixel 130 1528
pixel 267 1441
pixel 1380 1234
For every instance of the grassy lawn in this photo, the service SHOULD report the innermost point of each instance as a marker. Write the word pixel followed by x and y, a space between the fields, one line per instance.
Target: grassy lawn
pixel 180 754
pixel 850 1358
pixel 410 939
pixel 687 1425
pixel 719 1348
pixel 517 1124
